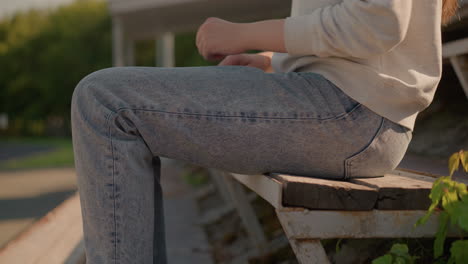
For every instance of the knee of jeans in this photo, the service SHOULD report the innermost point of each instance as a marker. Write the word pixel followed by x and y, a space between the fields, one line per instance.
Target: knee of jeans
pixel 91 95
pixel 91 85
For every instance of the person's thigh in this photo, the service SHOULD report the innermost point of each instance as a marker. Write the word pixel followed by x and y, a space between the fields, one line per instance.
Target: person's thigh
pixel 233 118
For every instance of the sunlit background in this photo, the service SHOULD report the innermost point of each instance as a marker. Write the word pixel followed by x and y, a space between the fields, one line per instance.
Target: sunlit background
pixel 47 46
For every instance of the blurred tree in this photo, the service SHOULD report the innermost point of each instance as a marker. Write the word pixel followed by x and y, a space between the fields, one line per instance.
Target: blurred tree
pixel 44 54
pixel 187 53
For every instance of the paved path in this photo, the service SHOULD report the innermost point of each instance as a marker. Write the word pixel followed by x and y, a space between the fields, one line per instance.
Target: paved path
pixel 186 241
pixel 28 195
pixel 16 150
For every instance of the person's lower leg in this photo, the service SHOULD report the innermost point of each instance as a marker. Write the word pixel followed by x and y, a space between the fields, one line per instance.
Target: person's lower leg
pixel 118 181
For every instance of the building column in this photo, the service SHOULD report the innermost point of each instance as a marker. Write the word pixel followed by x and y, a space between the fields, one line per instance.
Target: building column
pixel 118 43
pixel 129 52
pixel 165 56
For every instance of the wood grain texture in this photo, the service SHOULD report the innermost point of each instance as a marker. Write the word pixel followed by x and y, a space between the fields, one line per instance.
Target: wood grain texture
pixel 314 193
pixel 400 192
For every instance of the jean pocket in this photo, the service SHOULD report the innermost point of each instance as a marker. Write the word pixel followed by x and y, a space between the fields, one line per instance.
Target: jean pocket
pixel 382 154
pixel 339 104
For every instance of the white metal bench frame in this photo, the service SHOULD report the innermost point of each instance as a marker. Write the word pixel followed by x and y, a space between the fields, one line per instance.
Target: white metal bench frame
pixel 457 53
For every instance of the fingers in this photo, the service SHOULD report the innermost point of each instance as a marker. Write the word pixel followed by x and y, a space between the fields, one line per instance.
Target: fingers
pixel 200 42
pixel 233 60
pixel 227 61
pixel 201 30
pixel 215 57
pixel 251 60
pixel 214 39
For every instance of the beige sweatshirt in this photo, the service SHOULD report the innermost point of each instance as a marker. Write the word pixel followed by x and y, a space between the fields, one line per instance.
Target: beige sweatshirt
pixel 385 54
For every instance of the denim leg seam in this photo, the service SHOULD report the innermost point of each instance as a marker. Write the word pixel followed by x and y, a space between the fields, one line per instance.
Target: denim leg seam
pixel 113 181
pixel 340 116
pixel 350 160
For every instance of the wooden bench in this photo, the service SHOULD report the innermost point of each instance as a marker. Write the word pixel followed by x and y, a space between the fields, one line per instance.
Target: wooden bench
pixel 311 209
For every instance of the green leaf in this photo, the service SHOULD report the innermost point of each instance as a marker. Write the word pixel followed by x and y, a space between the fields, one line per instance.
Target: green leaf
pixel 460 189
pixel 441 234
pixel 464 160
pixel 459 251
pixel 422 220
pixel 460 214
pixel 436 195
pixel 400 260
pixel 399 254
pixel 385 259
pixel 337 246
pixel 399 249
pixel 451 260
pixel 464 198
pixel 438 187
pixel 454 162
pixel 448 199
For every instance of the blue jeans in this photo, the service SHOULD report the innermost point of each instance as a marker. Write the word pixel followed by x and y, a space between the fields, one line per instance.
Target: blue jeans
pixel 232 118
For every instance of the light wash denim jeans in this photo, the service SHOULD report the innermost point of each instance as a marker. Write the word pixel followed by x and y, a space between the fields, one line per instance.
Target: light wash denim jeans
pixel 233 118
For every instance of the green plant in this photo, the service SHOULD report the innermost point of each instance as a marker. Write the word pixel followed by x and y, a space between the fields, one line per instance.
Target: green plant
pixel 43 55
pixel 450 199
pixel 195 175
pixel 398 254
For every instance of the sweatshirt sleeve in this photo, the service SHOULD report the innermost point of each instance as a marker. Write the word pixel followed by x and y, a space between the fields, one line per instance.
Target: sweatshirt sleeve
pixel 352 28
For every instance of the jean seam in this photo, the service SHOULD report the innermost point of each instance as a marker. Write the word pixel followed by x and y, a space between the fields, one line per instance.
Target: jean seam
pixel 349 161
pixel 108 117
pixel 337 117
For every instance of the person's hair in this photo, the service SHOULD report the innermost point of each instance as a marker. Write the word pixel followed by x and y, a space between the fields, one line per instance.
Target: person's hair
pixel 449 8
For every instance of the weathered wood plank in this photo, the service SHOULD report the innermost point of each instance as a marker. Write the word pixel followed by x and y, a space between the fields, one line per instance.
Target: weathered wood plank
pixel 406 191
pixel 267 187
pixel 399 190
pixel 50 240
pixel 300 223
pixel 405 171
pixel 315 193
